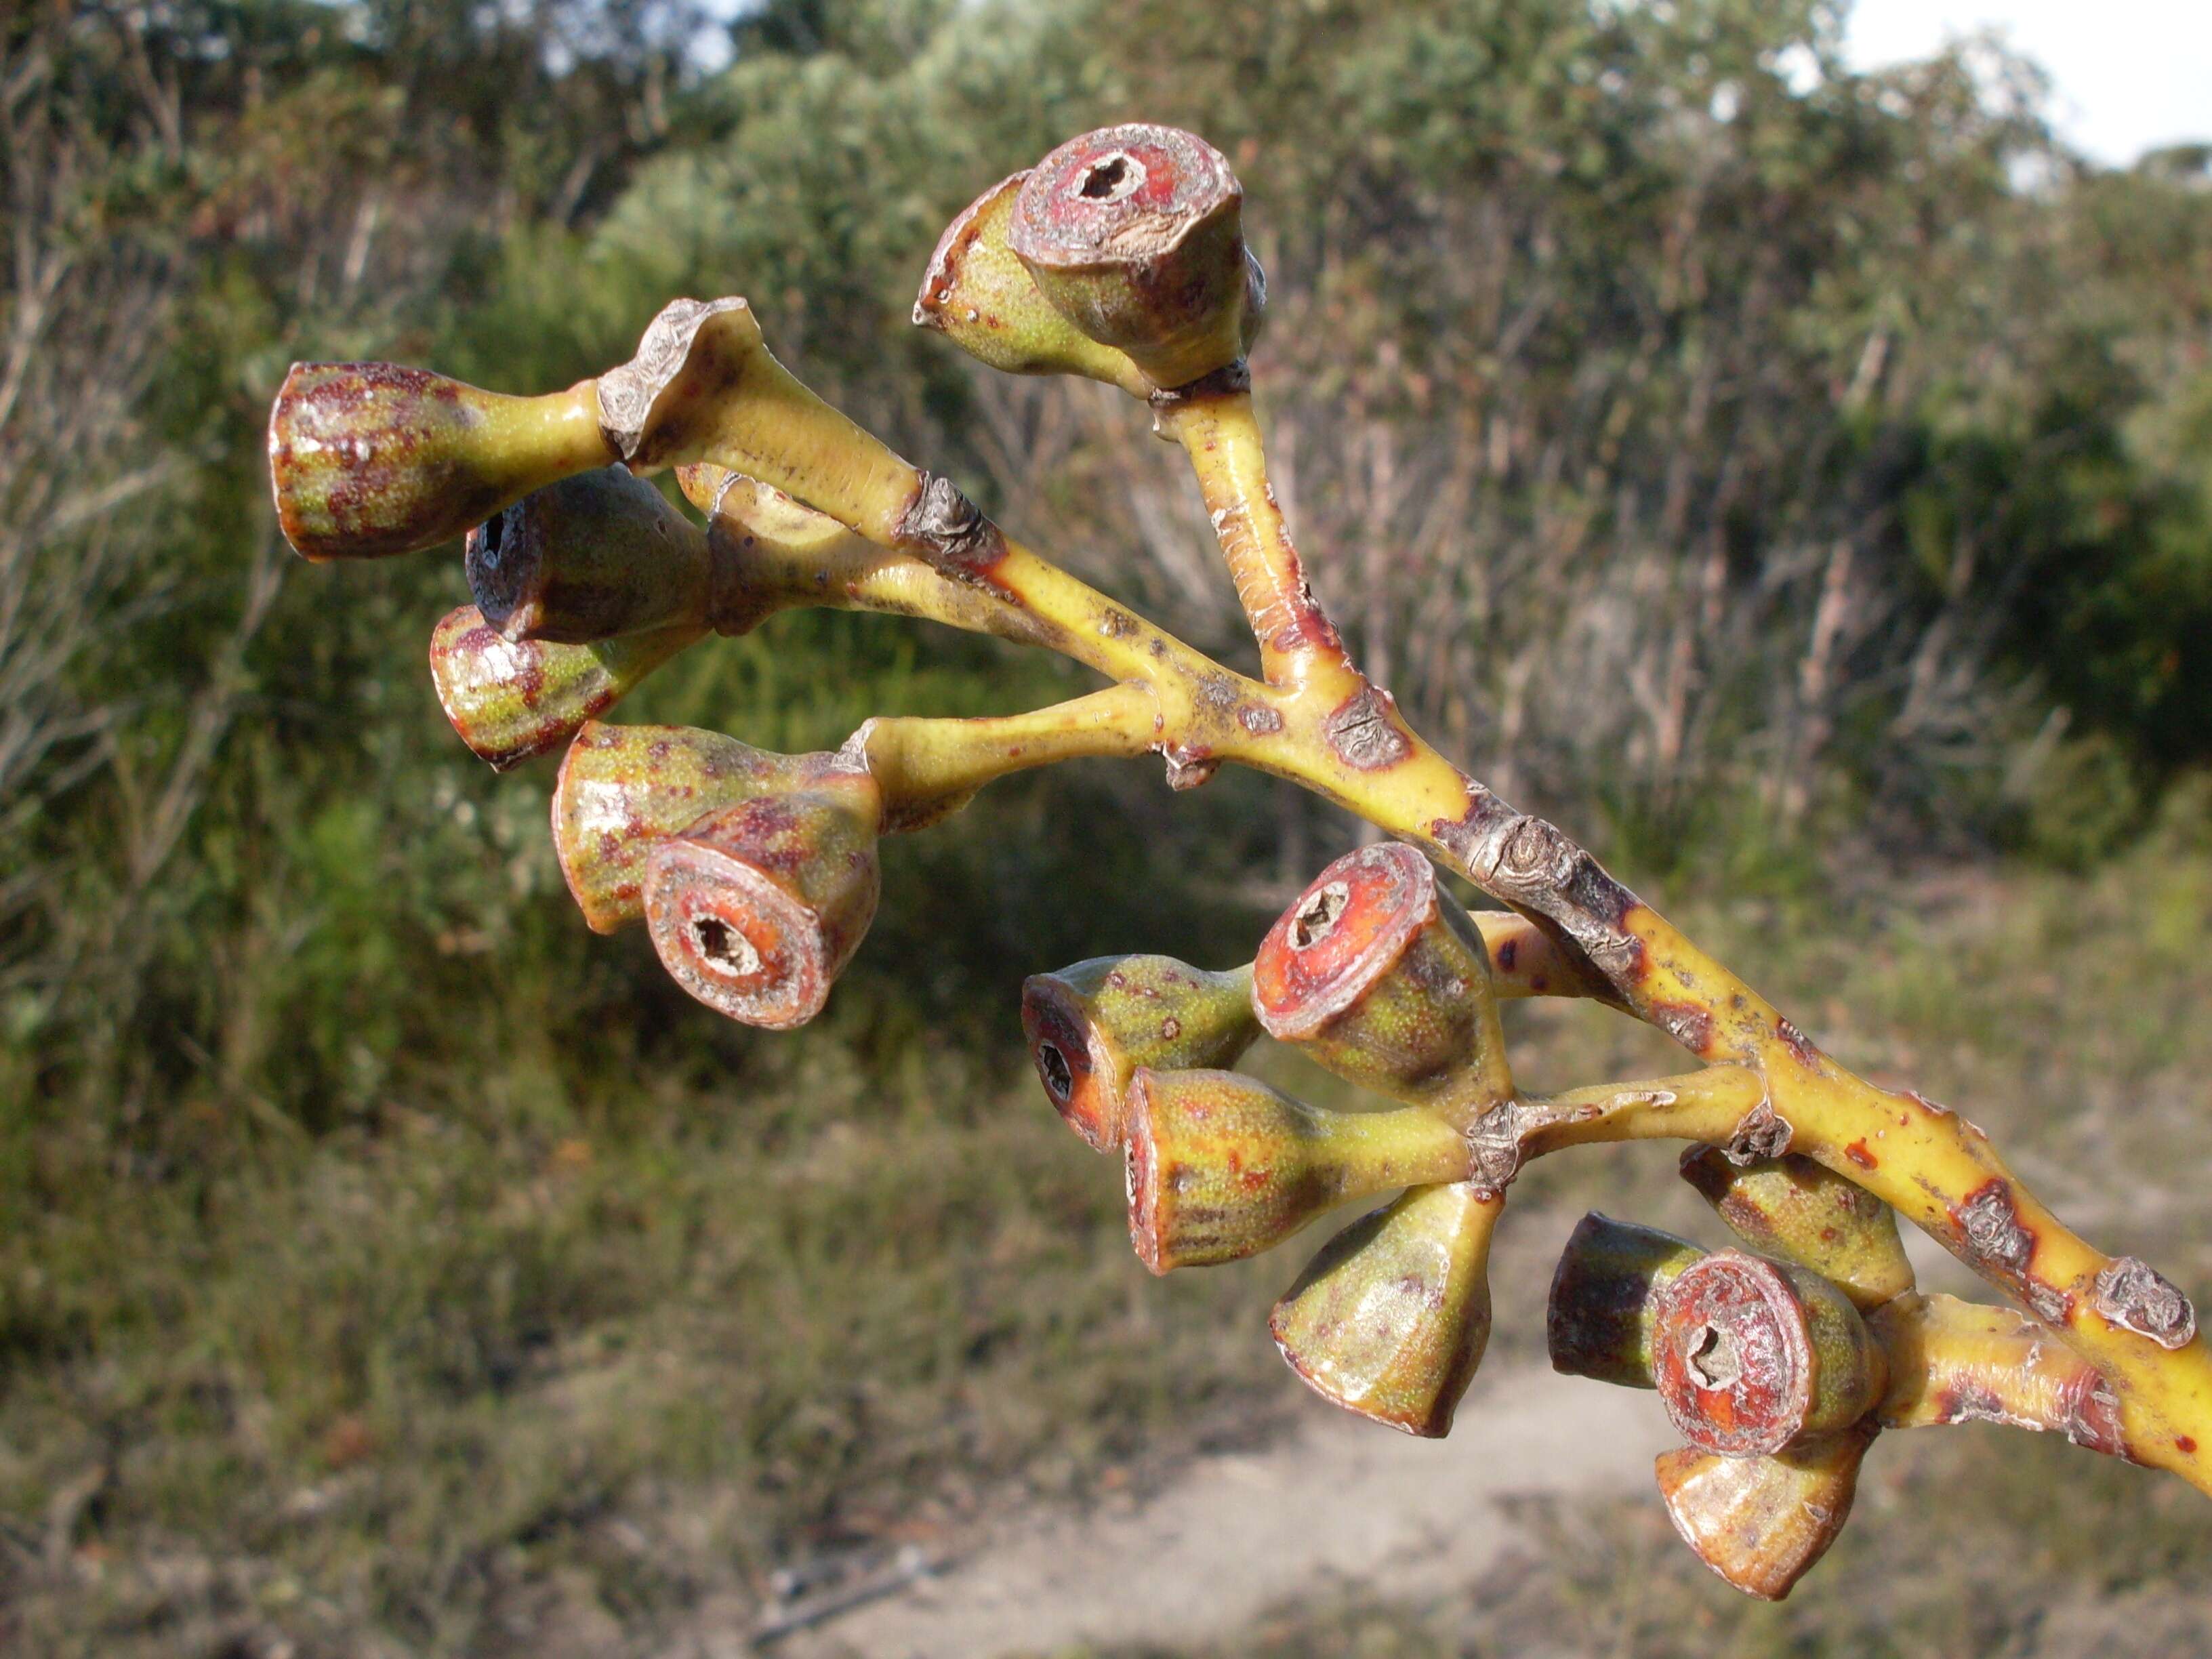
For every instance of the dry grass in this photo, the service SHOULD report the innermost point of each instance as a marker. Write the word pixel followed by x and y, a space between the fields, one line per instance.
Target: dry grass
pixel 488 1376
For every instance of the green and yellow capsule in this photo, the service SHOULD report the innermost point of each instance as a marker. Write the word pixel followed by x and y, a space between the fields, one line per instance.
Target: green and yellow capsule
pixel 1391 1319
pixel 1221 1166
pixel 1090 1026
pixel 368 460
pixel 510 701
pixel 756 909
pixel 623 788
pixel 1376 973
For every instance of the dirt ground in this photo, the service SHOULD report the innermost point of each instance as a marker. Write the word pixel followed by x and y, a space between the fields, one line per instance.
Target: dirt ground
pixel 1340 1500
pixel 1336 1507
pixel 1334 1502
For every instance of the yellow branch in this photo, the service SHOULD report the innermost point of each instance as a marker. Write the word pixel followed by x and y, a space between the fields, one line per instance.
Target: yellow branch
pixel 1299 648
pixel 1928 1163
pixel 1704 1105
pixel 931 767
pixel 704 389
pixel 1959 1362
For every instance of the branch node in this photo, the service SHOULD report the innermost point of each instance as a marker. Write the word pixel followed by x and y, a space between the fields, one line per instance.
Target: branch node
pixel 951 531
pixel 1763 1134
pixel 1494 1139
pixel 1364 732
pixel 2137 1296
pixel 1223 382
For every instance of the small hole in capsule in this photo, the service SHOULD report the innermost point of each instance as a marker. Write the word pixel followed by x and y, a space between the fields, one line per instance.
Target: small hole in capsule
pixel 1052 1066
pixel 1317 918
pixel 1111 178
pixel 724 948
pixel 1713 1362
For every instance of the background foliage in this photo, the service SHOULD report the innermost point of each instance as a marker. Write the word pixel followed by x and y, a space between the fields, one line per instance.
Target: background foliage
pixel 1770 469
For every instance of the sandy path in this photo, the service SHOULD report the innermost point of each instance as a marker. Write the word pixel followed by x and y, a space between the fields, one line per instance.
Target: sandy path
pixel 1341 1500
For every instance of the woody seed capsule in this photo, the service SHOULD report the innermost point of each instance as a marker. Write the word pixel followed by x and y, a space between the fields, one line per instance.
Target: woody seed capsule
pixel 592 557
pixel 1600 1321
pixel 1391 1319
pixel 367 460
pixel 1762 1522
pixel 1750 1354
pixel 980 295
pixel 1090 1026
pixel 1376 973
pixel 1221 1166
pixel 512 701
pixel 624 788
pixel 1135 234
pixel 756 909
pixel 1792 1208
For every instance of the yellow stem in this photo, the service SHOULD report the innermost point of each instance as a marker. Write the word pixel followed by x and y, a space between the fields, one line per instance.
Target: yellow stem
pixel 1299 648
pixel 1356 750
pixel 562 428
pixel 928 768
pixel 1960 1362
pixel 807 556
pixel 1705 1105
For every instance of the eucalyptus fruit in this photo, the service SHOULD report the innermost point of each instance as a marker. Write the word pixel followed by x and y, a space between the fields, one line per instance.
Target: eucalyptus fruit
pixel 1122 257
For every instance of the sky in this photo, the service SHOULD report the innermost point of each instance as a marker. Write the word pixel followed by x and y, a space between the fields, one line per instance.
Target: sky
pixel 2128 74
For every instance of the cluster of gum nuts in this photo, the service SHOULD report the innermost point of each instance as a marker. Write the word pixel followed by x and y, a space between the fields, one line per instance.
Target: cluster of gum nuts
pixel 1374 972
pixel 756 875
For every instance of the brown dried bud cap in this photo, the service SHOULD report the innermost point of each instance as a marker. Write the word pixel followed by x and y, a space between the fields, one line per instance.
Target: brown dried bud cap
pixel 758 908
pixel 1376 973
pixel 1793 1208
pixel 367 460
pixel 590 558
pixel 1599 1320
pixel 1749 1355
pixel 1090 1026
pixel 1391 1319
pixel 624 788
pixel 1762 1522
pixel 1221 1166
pixel 510 702
pixel 1134 233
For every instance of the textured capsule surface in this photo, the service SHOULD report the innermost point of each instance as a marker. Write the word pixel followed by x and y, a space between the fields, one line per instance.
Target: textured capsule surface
pixel 1601 1319
pixel 1793 1208
pixel 1135 234
pixel 756 909
pixel 510 701
pixel 977 292
pixel 1750 1354
pixel 1220 1166
pixel 1092 1025
pixel 1762 1523
pixel 1376 973
pixel 623 788
pixel 1391 1319
pixel 370 459
pixel 592 558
